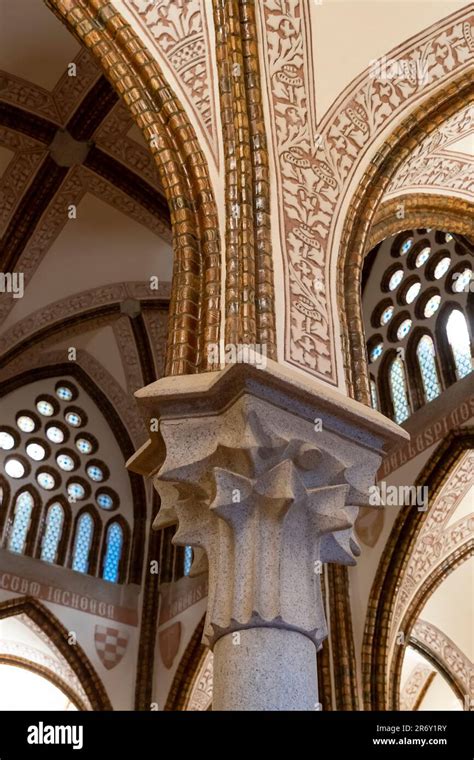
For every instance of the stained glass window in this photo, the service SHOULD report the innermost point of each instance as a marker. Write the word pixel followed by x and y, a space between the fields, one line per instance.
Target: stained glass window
pixel 423 256
pixel 104 500
pixel 65 462
pixel 386 315
pixel 95 473
pixel 113 553
pixel 36 451
pixel 52 533
pixel 398 391
pixel 46 480
pixel 45 408
pixel 441 267
pixel 7 441
pixel 15 468
pixel 404 328
pixel 76 491
pixel 395 279
pixel 64 393
pixel 21 522
pixel 425 352
pixel 376 351
pixel 188 559
pixel 432 306
pixel 55 434
pixel 84 445
pixel 82 544
pixel 406 246
pixel 412 292
pixel 458 337
pixel 462 280
pixel 73 419
pixel 26 424
pixel 373 394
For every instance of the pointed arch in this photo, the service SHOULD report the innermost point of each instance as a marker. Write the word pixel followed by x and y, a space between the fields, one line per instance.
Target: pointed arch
pixel 417 372
pixel 120 521
pixel 59 636
pixel 195 299
pixel 64 533
pixel 448 358
pixel 391 568
pixel 361 215
pixel 87 527
pixel 33 518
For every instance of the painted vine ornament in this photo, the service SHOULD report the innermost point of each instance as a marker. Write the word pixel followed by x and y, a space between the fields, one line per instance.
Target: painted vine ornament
pixel 316 162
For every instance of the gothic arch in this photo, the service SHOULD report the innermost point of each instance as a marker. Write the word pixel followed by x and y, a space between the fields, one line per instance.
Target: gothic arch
pixel 119 429
pixel 195 298
pixel 58 634
pixel 21 662
pixel 420 210
pixel 361 216
pixel 187 671
pixel 391 569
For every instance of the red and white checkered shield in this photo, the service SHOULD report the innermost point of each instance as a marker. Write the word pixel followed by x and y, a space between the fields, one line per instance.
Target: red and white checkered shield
pixel 110 645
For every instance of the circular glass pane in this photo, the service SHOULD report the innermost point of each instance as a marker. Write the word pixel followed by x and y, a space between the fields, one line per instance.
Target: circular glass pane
pixel 395 279
pixel 386 315
pixel 405 247
pixel 431 306
pixel 15 468
pixel 55 434
pixel 36 451
pixel 76 491
pixel 461 280
pixel 441 267
pixel 423 256
pixel 73 418
pixel 65 462
pixel 412 292
pixel 95 473
pixel 7 441
pixel 46 480
pixel 376 351
pixel 84 446
pixel 105 501
pixel 403 329
pixel 26 424
pixel 64 393
pixel 45 408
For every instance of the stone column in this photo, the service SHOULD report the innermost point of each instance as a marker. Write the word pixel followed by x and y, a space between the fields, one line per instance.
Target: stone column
pixel 263 471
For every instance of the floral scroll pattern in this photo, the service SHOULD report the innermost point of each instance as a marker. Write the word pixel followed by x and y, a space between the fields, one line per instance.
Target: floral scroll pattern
pixel 315 163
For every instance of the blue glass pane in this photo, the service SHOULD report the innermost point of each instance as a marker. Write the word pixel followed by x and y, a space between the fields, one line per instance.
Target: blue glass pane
pixel 188 559
pixel 458 337
pixel 83 543
pixel 425 352
pixel 52 534
pixel 398 390
pixel 21 522
pixel 373 394
pixel 113 553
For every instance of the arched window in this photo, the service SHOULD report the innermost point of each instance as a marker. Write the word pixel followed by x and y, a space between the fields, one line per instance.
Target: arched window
pixel 188 559
pixel 21 522
pixel 52 533
pixel 373 394
pixel 425 354
pixel 82 543
pixel 54 443
pixel 113 552
pixel 398 390
pixel 458 339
